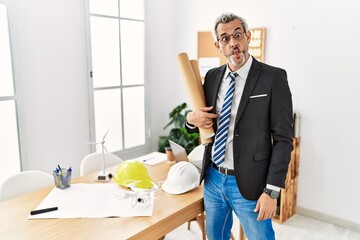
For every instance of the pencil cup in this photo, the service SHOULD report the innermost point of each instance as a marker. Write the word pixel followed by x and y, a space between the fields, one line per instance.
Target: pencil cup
pixel 62 178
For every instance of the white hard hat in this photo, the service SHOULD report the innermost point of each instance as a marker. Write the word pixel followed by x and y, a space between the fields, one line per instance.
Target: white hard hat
pixel 182 177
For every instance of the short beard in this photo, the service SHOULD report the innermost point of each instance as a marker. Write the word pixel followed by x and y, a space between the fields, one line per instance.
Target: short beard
pixel 233 62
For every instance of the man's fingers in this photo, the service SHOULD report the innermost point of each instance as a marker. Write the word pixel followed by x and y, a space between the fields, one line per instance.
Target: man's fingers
pixel 208 125
pixel 205 109
pixel 260 216
pixel 265 214
pixel 257 206
pixel 266 207
pixel 209 115
pixel 206 112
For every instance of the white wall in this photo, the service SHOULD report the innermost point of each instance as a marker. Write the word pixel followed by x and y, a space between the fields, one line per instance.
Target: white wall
pixel 317 42
pixel 160 65
pixel 50 70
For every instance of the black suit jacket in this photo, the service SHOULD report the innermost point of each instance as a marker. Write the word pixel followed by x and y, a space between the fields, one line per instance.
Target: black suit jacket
pixel 263 128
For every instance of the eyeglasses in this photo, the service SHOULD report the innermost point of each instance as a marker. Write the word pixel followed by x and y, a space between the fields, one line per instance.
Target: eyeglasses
pixel 225 39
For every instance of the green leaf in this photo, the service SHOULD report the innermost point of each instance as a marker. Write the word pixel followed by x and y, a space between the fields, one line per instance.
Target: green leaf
pixel 178 132
pixel 163 142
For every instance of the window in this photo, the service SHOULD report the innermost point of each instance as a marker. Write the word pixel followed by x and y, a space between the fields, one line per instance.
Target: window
pixel 9 138
pixel 116 67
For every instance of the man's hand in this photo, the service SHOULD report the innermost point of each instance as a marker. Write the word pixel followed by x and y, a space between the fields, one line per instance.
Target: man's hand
pixel 266 206
pixel 201 117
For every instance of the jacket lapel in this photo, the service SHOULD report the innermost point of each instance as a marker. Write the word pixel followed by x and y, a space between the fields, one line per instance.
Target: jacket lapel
pixel 215 88
pixel 251 81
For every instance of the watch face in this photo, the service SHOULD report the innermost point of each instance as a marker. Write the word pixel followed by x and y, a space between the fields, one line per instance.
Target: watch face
pixel 274 194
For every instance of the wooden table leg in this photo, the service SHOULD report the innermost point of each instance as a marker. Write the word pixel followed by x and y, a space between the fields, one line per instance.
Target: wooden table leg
pixel 201 221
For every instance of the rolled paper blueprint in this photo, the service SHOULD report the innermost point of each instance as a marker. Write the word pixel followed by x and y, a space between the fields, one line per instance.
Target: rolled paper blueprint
pixel 195 68
pixel 195 92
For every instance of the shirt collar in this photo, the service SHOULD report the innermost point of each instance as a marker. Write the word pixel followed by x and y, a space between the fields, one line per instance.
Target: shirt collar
pixel 243 72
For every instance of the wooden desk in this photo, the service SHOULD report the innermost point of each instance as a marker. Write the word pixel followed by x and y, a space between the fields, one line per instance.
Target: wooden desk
pixel 170 211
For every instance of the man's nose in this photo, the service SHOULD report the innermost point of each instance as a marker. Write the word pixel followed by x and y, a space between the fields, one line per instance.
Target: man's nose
pixel 232 41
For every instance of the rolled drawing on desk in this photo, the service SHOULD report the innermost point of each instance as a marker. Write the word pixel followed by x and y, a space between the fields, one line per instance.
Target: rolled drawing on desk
pixel 45 210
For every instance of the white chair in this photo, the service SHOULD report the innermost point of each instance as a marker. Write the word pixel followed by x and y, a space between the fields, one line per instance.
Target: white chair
pixel 93 162
pixel 24 182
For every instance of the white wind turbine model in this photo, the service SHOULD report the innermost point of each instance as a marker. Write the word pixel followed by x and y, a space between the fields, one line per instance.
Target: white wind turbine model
pixel 103 176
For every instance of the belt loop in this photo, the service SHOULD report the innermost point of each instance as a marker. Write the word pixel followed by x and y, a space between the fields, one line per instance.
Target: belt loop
pixel 226 171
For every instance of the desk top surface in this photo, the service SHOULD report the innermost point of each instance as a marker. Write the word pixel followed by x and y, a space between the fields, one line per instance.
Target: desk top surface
pixel 170 211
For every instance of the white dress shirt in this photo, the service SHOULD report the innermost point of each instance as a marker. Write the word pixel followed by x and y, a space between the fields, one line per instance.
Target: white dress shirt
pixel 240 80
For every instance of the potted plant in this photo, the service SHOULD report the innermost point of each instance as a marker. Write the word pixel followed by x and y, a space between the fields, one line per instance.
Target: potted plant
pixel 178 133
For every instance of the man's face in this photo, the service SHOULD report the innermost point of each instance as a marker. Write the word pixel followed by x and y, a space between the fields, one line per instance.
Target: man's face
pixel 233 43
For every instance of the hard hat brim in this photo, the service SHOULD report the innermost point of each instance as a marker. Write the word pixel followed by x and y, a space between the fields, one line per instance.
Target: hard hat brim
pixel 152 189
pixel 165 186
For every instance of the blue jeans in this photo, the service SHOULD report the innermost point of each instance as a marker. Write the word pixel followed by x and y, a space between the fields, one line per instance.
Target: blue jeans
pixel 221 197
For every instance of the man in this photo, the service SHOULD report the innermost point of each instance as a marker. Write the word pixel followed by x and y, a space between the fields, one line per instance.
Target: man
pixel 249 105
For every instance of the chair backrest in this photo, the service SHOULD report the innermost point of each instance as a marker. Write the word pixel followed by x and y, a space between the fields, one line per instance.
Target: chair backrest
pixel 24 182
pixel 93 162
pixel 196 156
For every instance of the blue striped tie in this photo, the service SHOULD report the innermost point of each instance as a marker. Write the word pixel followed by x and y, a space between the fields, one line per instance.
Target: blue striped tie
pixel 222 131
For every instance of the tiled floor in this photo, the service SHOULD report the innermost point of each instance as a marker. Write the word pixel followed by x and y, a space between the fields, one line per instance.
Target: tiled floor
pixel 298 227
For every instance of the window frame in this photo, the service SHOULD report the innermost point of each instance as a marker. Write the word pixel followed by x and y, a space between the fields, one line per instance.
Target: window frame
pixel 125 152
pixel 15 97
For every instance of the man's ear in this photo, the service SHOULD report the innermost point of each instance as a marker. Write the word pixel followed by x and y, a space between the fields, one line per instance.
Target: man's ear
pixel 248 36
pixel 217 45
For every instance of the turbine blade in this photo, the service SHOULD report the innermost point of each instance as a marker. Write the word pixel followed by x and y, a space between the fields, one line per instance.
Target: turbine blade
pixel 106 134
pixel 105 149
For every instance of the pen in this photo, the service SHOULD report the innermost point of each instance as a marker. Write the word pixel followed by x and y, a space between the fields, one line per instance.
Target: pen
pixel 43 210
pixel 147 159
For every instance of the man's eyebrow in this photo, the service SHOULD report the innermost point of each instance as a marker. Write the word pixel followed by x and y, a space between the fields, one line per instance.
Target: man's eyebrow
pixel 238 28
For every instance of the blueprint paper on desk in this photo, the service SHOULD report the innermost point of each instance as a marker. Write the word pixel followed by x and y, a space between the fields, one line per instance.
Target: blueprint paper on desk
pixel 152 158
pixel 93 201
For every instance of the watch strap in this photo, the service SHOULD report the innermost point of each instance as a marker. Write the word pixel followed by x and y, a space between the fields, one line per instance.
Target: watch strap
pixel 272 193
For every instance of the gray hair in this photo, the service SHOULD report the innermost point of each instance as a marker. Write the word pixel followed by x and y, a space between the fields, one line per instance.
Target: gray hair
pixel 228 17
